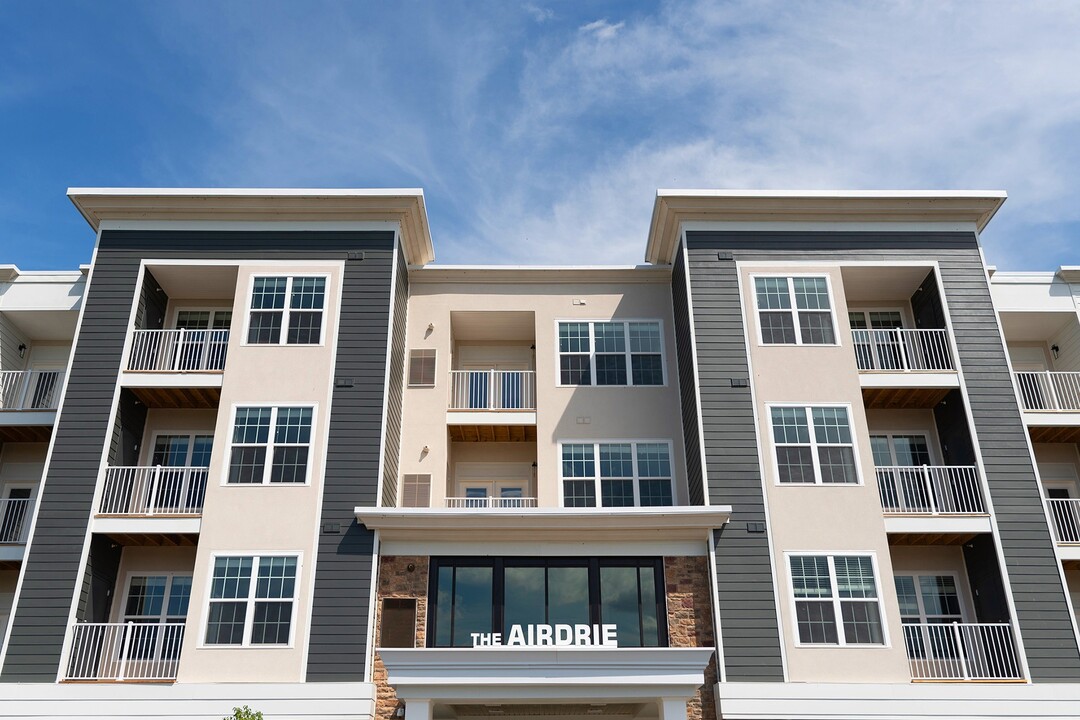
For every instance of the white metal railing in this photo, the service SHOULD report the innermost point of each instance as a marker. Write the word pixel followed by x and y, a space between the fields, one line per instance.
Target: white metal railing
pixel 492 390
pixel 1066 517
pixel 961 651
pixel 14 521
pixel 1046 390
pixel 491 502
pixel 155 490
pixel 179 350
pixel 30 389
pixel 125 651
pixel 930 489
pixel 901 350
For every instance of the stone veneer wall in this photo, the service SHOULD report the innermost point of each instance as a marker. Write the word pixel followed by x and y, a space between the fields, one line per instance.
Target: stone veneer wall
pixel 397 581
pixel 689 618
pixel 690 622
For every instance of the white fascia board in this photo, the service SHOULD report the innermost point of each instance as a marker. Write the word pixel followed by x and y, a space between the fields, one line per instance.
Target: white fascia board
pixel 838 194
pixel 897 701
pixel 246 192
pixel 1068 551
pixel 194 379
pixel 162 524
pixel 645 518
pixel 937 524
pixel 493 417
pixel 1035 418
pixel 913 379
pixel 26 418
pixel 12 553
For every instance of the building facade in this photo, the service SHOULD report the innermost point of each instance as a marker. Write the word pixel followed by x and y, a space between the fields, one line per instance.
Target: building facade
pixel 814 458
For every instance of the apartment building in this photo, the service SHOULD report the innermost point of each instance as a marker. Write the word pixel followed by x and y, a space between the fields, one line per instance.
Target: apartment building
pixel 809 460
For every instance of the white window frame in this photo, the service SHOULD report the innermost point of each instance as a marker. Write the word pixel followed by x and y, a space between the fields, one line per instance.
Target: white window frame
pixel 249 613
pixel 598 485
pixel 808 407
pixel 189 434
pixel 274 406
pixel 836 600
pixel 591 322
pixel 916 574
pixel 931 446
pixel 905 315
pixel 289 276
pixel 175 310
pixel 121 611
pixel 794 310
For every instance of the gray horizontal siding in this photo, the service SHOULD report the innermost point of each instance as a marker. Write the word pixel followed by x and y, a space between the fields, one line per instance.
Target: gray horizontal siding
pixel 684 348
pixel 85 426
pixel 1042 606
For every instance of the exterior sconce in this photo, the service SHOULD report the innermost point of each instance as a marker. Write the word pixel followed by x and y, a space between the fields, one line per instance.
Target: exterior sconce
pixel 1055 349
pixel 22 351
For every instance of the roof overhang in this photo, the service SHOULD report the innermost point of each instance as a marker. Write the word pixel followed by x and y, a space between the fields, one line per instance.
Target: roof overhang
pixel 577 524
pixel 402 206
pixel 674 207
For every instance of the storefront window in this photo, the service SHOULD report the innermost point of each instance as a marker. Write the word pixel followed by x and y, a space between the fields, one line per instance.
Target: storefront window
pixel 485 595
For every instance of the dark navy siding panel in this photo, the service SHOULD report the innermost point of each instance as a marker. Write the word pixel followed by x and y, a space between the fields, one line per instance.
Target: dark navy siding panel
pixel 84 426
pixel 1042 605
pixel 396 385
pixel 684 349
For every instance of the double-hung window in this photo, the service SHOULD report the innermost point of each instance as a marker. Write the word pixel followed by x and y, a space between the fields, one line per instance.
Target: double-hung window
pixel 836 600
pixel 611 353
pixel 825 455
pixel 621 474
pixel 270 445
pixel 294 304
pixel 252 598
pixel 794 311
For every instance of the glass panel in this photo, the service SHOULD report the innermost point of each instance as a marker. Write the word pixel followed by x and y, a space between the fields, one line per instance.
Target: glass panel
pixel 831 425
pixel 568 595
pixel 305 328
pixel 857 320
pixel 645 337
pixel 854 577
pixel 610 337
pixel 616 461
pixel 272 623
pixel 647 369
pixel 252 425
pixel 444 607
pixel 795 464
pixel 232 578
pixel 222 320
pixel 837 465
pixel 268 293
pixel 817 622
pixel 816 328
pixel 617 493
pixel 886 320
pixel 908 598
pixel 810 576
pixel 619 603
pixel 579 493
pixel 200 453
pixel 940 597
pixel 171 450
pixel 772 293
pixel 650 624
pixel 911 450
pixel 574 337
pixel 265 328
pixel 656 493
pixel 879 444
pixel 308 293
pixel 146 597
pixel 525 590
pixel 225 623
pixel 293 425
pixel 473 604
pixel 193 319
pixel 577 461
pixel 789 425
pixel 179 597
pixel 290 465
pixel 277 577
pixel 777 328
pixel 575 370
pixel 862 623
pixel 610 369
pixel 811 293
pixel 246 465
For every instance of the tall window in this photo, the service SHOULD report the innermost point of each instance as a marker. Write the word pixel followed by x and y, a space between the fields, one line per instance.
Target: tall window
pixel 611 353
pixel 836 600
pixel 153 600
pixel 622 474
pixel 826 455
pixel 483 595
pixel 259 456
pixel 794 311
pixel 295 303
pixel 251 600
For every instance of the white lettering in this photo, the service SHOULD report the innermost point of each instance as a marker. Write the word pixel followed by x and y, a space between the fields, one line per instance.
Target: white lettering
pixel 564 635
pixel 611 636
pixel 561 635
pixel 581 635
pixel 543 635
pixel 517 636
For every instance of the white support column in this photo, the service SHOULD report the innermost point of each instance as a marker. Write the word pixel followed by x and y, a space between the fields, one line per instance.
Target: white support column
pixel 421 709
pixel 672 708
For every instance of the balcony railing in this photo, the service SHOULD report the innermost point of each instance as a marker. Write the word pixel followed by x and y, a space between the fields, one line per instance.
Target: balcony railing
pixel 30 389
pixel 492 390
pixel 930 490
pixel 491 502
pixel 14 520
pixel 1049 391
pixel 902 350
pixel 1066 518
pixel 125 651
pixel 178 350
pixel 961 651
pixel 147 491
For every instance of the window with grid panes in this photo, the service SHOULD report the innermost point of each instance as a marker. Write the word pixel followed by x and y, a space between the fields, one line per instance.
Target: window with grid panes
pixel 259 456
pixel 422 368
pixel 836 600
pixel 251 600
pixel 620 474
pixel 287 310
pixel 825 456
pixel 794 311
pixel 611 353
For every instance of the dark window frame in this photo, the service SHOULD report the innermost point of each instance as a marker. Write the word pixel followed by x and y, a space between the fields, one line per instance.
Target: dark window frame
pixel 498 566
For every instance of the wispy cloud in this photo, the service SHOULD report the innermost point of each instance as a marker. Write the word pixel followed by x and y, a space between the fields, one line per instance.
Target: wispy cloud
pixel 602 29
pixel 539 14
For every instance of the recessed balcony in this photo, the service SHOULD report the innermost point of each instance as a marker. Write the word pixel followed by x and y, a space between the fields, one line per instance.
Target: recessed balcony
pixel 120 652
pixel 962 652
pixel 15 514
pixel 493 390
pixel 932 501
pixel 481 502
pixel 902 350
pixel 155 505
pixel 1065 518
pixel 28 402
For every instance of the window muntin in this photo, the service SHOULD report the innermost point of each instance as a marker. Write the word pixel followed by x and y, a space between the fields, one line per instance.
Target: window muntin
pixel 252 599
pixel 794 310
pixel 621 474
pixel 422 368
pixel 483 595
pixel 288 448
pixel 621 353
pixel 836 600
pixel 295 303
pixel 824 456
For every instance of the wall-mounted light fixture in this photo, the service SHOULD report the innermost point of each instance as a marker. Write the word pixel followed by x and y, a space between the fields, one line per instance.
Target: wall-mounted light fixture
pixel 22 350
pixel 1055 349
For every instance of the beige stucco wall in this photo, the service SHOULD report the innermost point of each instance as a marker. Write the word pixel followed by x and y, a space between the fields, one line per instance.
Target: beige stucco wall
pixel 22 464
pixel 821 518
pixel 563 413
pixel 258 519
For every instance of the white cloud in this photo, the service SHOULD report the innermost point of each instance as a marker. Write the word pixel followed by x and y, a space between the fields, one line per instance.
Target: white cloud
pixel 539 14
pixel 602 29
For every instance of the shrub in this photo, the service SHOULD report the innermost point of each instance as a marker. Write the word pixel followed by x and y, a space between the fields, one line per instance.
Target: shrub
pixel 244 713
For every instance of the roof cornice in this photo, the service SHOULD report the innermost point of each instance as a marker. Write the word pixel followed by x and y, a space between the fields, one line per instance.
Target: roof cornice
pixel 674 207
pixel 404 206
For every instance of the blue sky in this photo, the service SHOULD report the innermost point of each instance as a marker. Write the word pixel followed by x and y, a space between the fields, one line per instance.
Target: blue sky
pixel 541 130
